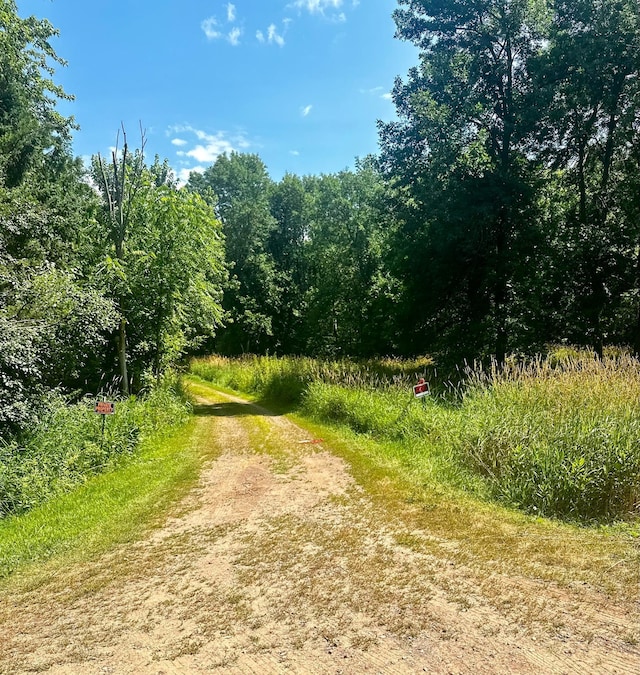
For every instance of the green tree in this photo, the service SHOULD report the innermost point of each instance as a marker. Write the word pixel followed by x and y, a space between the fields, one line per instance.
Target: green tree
pixel 52 320
pixel 589 78
pixel 290 205
pixel 459 165
pixel 350 295
pixel 162 259
pixel 120 184
pixel 32 131
pixel 176 272
pixel 252 295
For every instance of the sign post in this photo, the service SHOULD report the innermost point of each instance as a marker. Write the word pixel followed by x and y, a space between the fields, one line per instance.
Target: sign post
pixel 104 408
pixel 421 389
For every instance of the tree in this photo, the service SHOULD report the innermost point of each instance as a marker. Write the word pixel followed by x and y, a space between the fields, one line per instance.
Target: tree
pixel 32 132
pixel 458 160
pixel 120 184
pixel 176 272
pixel 589 76
pixel 350 294
pixel 162 261
pixel 290 206
pixel 52 321
pixel 242 186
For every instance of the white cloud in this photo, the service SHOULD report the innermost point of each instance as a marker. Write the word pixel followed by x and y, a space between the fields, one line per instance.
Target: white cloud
pixel 234 36
pixel 211 146
pixel 306 110
pixel 209 27
pixel 210 151
pixel 231 13
pixel 183 174
pixel 260 36
pixel 295 153
pixel 178 141
pixel 377 91
pixel 317 6
pixel 273 37
pixel 328 9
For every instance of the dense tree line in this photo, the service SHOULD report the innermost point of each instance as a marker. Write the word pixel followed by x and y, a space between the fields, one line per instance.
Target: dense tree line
pixel 306 259
pixel 501 214
pixel 514 171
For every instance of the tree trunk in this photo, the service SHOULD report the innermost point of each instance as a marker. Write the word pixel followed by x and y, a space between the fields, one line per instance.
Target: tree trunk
pixel 500 291
pixel 122 356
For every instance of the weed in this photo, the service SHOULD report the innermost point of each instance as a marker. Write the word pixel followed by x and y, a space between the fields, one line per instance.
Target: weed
pixel 558 438
pixel 68 445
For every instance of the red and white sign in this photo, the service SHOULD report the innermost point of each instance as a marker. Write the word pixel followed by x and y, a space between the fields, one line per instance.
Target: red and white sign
pixel 105 407
pixel 421 389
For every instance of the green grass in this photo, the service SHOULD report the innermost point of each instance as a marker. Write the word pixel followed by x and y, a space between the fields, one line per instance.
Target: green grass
pixel 285 380
pixel 108 509
pixel 68 445
pixel 559 437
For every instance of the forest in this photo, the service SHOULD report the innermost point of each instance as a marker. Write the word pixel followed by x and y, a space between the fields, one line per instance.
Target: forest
pixel 500 216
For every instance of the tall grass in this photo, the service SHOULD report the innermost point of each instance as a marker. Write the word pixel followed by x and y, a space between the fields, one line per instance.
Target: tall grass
pixel 67 445
pixel 285 380
pixel 558 437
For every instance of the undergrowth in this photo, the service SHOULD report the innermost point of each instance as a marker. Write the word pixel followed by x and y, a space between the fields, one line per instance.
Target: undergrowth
pixel 67 446
pixel 285 380
pixel 559 437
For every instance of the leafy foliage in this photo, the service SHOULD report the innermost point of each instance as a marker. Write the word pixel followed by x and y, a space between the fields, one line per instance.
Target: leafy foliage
pixel 32 132
pixel 161 256
pixel 241 186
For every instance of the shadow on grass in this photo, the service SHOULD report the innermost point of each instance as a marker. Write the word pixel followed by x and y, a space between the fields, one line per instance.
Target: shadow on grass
pixel 233 409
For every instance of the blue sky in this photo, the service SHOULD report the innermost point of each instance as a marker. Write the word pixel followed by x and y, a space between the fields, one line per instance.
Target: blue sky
pixel 299 82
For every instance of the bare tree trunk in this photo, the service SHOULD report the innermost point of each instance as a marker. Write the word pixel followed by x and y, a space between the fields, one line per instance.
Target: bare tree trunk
pixel 122 356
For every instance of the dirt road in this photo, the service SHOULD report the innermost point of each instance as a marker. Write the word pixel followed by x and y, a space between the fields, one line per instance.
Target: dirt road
pixel 280 563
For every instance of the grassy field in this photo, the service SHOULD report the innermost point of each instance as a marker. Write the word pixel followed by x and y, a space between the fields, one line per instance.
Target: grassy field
pixel 558 437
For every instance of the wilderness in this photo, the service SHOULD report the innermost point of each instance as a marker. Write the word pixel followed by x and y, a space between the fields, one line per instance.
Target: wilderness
pixel 491 247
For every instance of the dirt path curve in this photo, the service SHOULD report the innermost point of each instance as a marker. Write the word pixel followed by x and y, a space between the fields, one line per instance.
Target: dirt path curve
pixel 279 563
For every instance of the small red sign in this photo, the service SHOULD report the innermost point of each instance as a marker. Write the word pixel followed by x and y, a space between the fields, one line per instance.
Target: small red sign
pixel 105 408
pixel 421 389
